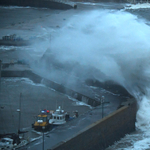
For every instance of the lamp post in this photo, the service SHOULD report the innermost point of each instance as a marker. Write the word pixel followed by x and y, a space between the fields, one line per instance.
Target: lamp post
pixel 19 111
pixel 43 128
pixel 102 102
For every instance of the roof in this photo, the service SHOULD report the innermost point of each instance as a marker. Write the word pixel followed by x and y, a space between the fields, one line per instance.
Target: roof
pixel 42 115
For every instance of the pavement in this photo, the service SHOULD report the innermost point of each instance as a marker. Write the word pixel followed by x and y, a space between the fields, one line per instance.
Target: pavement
pixel 71 128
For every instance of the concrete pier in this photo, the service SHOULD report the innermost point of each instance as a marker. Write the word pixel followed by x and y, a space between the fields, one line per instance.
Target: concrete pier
pixel 18 70
pixel 98 133
pixel 103 133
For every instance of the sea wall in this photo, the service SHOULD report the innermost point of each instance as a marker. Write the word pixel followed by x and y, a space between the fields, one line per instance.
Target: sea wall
pixel 52 4
pixel 105 132
pixel 58 87
pixel 98 135
pixel 97 1
pixel 109 85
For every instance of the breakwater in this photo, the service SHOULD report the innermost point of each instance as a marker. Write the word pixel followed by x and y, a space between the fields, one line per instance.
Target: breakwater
pixel 98 135
pixel 103 133
pixel 97 1
pixel 22 70
pixel 58 87
pixel 52 4
pixel 15 43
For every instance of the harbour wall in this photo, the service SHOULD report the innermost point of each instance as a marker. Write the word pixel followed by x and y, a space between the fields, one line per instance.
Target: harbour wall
pixel 98 135
pixel 103 133
pixel 58 87
pixel 52 4
pixel 97 1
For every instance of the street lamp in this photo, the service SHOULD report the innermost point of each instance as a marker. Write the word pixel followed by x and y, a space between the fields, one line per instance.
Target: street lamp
pixel 102 102
pixel 43 128
pixel 19 111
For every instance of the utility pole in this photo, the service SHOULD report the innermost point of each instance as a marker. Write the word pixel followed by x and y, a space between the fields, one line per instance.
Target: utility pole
pixel 43 128
pixel 102 103
pixel 19 111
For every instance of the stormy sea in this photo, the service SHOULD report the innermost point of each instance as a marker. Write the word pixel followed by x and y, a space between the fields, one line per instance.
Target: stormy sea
pixel 101 41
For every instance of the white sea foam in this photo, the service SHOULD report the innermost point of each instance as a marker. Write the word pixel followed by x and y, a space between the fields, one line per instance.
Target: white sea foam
pixel 14 48
pixel 23 80
pixel 143 114
pixel 88 3
pixel 105 91
pixel 19 7
pixel 7 48
pixel 11 79
pixel 13 7
pixel 137 6
pixel 28 81
pixel 79 103
pixel 140 139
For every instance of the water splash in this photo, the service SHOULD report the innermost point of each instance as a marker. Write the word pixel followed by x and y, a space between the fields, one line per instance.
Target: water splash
pixel 108 45
pixel 105 45
pixel 137 6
